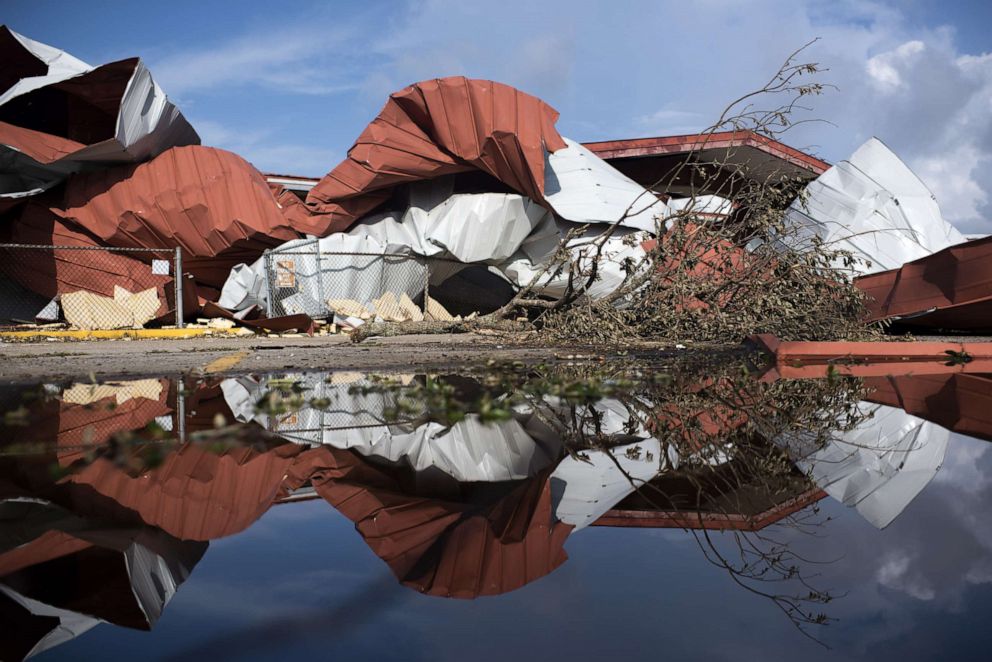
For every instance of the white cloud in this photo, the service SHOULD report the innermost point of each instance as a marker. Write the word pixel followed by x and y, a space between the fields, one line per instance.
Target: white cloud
pixel 953 176
pixel 933 105
pixel 299 60
pixel 884 68
pixel 894 573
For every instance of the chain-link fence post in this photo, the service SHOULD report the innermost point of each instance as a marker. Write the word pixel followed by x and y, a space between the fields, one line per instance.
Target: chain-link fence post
pixel 321 297
pixel 178 271
pixel 427 283
pixel 181 409
pixel 269 294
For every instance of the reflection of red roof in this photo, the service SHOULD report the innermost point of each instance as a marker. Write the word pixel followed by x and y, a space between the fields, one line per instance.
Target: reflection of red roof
pixel 918 377
pixel 82 425
pixel 441 547
pixel 801 359
pixel 959 402
pixel 687 519
pixel 196 493
pixel 88 572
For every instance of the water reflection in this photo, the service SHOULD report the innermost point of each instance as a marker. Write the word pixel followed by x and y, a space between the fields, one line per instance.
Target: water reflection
pixel 465 486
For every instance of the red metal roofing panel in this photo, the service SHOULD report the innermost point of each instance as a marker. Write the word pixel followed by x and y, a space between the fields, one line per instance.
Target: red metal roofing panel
pixel 437 127
pixel 211 202
pixel 954 284
pixel 196 493
pixel 442 547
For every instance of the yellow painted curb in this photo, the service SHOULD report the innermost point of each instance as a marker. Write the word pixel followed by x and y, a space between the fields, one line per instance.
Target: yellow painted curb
pixel 118 334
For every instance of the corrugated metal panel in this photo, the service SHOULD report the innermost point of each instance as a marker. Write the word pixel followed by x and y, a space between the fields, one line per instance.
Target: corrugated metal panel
pixel 211 202
pixel 438 127
pixel 440 547
pixel 196 494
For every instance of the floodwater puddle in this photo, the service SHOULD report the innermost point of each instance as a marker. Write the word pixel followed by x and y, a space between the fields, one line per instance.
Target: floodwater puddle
pixel 534 512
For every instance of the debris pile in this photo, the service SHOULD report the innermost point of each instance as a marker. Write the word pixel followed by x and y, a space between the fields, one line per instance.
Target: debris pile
pixel 468 181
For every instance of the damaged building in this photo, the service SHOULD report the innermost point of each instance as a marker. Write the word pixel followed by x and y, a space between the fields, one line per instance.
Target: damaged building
pixel 459 193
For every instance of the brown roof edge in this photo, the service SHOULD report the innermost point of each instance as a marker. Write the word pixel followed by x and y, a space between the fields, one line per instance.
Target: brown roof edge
pixel 302 178
pixel 660 145
pixel 711 521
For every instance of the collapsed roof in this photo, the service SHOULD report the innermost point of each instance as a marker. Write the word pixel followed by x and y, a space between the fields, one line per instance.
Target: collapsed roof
pixel 98 156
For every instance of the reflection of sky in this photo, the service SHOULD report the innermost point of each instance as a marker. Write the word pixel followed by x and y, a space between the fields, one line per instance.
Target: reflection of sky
pixel 302 584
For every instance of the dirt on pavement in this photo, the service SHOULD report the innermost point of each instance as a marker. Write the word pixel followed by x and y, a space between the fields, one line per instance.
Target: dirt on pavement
pixel 103 359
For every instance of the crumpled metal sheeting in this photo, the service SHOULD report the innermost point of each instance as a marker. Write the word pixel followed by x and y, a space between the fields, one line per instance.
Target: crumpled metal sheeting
pixel 440 127
pixel 468 451
pixel 583 188
pixel 147 123
pixel 114 113
pixel 467 228
pixel 874 206
pixel 621 254
pixel 29 64
pixel 136 118
pixel 22 176
pixel 210 202
pixel 244 287
pixel 878 467
pixel 33 150
pixel 475 228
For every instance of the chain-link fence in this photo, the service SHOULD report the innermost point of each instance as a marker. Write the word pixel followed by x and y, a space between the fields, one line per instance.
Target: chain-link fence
pixel 90 287
pixel 305 279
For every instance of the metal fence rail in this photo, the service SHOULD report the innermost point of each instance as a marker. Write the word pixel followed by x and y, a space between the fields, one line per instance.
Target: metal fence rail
pixel 90 287
pixel 305 279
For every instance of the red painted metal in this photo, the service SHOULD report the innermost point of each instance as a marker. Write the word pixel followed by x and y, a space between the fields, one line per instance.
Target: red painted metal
pixel 799 352
pixel 951 289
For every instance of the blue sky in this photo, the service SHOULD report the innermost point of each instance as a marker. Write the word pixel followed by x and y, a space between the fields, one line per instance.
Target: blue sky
pixel 289 85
